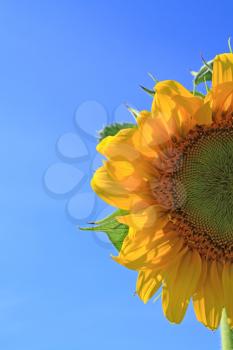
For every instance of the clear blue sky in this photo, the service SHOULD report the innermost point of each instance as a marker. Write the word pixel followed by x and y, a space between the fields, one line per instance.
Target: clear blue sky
pixel 59 289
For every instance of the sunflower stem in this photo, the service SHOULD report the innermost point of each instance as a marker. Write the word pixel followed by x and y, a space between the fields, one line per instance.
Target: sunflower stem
pixel 226 333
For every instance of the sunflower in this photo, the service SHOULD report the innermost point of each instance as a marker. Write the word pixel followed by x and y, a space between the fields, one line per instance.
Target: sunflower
pixel 173 174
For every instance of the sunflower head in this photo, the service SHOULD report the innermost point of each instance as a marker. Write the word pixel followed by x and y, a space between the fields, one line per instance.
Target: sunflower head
pixel 173 173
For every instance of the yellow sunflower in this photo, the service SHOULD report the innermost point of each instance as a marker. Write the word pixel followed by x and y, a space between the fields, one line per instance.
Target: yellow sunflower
pixel 173 173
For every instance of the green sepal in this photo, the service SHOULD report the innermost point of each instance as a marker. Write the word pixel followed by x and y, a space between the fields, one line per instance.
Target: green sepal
pixel 155 80
pixel 197 93
pixel 115 231
pixel 148 91
pixel 204 74
pixel 135 113
pixel 113 129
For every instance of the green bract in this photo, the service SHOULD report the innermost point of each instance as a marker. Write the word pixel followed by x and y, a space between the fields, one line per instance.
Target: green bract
pixel 116 231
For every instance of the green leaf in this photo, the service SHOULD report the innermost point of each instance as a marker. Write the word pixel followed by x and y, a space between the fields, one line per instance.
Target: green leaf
pixel 113 129
pixel 204 74
pixel 115 230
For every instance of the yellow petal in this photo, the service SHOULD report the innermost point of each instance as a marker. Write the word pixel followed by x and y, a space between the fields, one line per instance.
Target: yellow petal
pixel 138 246
pixel 148 283
pixel 121 146
pixel 134 194
pixel 148 249
pixel 222 69
pixel 149 134
pixel 126 173
pixel 208 300
pixel 203 115
pixel 180 282
pixel 221 99
pixel 132 175
pixel 221 95
pixel 109 190
pixel 122 169
pixel 176 105
pixel 150 217
pixel 153 131
pixel 167 254
pixel 165 91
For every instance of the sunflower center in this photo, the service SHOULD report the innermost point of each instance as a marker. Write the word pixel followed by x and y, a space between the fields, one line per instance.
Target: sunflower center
pixel 203 183
pixel 196 186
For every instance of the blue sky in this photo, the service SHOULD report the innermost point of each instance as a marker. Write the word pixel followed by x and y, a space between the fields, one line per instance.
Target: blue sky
pixel 61 60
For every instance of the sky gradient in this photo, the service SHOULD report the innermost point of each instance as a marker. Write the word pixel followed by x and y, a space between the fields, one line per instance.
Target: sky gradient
pixel 66 69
